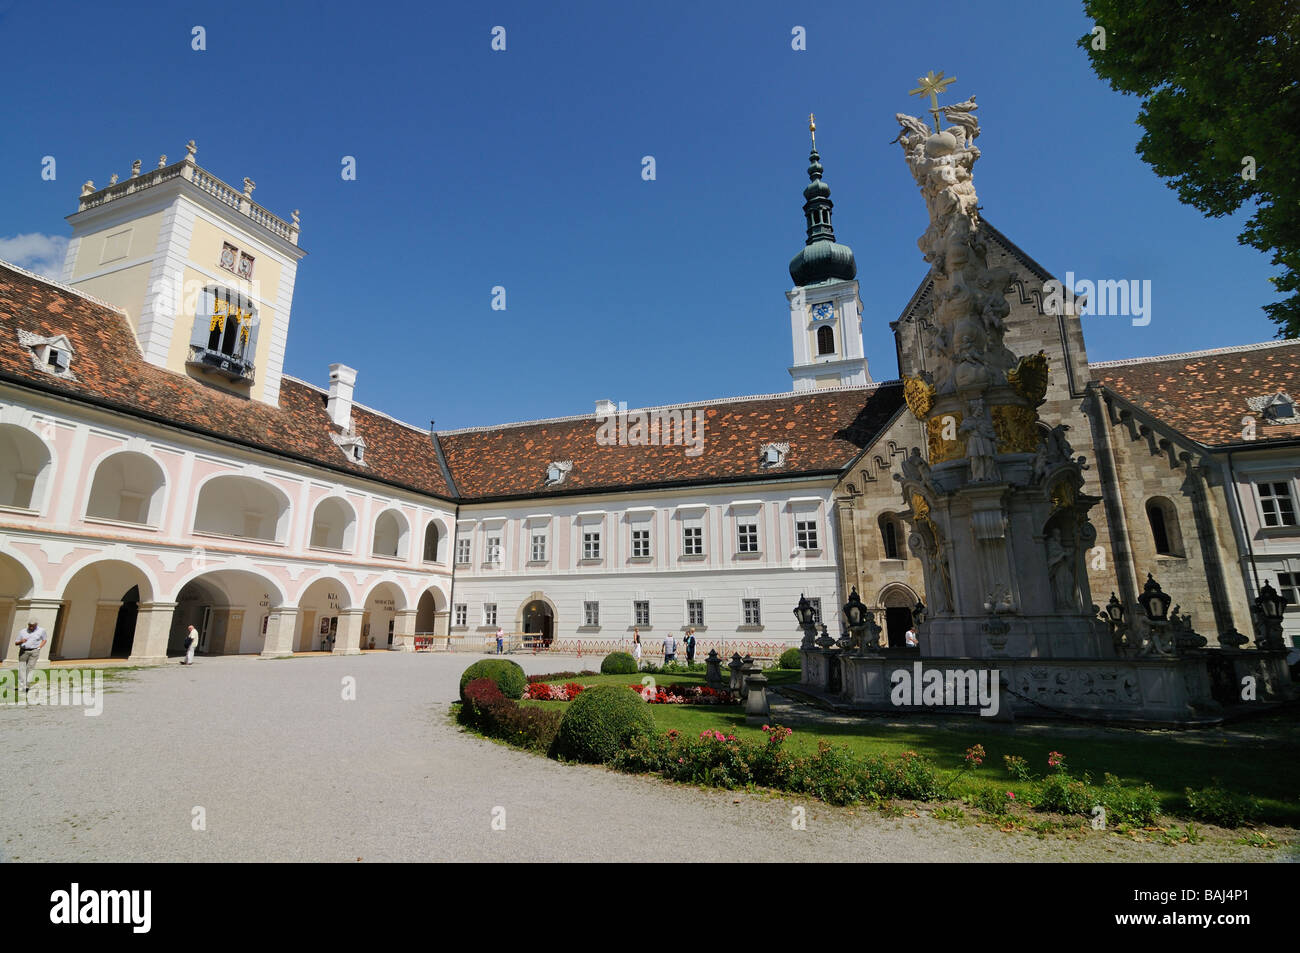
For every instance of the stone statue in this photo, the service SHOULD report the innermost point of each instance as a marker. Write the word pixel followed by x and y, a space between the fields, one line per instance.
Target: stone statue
pixel 981 443
pixel 1061 569
pixel 916 470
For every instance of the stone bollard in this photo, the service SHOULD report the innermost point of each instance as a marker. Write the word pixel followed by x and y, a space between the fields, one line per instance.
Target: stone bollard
pixel 713 669
pixel 734 665
pixel 747 670
pixel 757 711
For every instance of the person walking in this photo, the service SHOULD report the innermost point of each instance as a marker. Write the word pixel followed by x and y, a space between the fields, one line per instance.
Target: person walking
pixel 670 648
pixel 191 643
pixel 29 642
pixel 636 648
pixel 690 646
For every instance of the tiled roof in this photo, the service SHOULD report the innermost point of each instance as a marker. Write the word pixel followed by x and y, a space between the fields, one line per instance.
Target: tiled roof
pixel 1205 394
pixel 109 369
pixel 825 430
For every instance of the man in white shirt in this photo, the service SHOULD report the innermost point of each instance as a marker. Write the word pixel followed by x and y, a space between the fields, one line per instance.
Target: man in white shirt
pixel 191 643
pixel 911 639
pixel 30 642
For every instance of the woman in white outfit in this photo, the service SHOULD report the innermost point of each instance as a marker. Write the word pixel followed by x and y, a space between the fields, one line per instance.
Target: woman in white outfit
pixel 636 647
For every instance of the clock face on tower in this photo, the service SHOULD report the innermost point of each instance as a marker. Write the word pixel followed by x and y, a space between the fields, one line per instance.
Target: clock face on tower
pixel 824 311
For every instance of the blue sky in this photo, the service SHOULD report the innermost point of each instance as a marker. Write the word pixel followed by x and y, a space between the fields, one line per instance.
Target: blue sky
pixel 522 169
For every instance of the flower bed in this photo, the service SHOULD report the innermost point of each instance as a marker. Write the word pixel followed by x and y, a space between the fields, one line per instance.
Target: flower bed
pixel 686 695
pixel 541 691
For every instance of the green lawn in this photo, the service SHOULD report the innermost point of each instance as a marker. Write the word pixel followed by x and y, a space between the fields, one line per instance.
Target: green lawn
pixel 1259 758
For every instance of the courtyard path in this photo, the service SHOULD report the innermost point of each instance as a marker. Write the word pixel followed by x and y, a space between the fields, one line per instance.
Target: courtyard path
pixel 286 770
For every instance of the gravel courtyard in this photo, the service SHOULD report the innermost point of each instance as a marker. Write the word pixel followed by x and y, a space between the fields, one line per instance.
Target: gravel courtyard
pixel 285 769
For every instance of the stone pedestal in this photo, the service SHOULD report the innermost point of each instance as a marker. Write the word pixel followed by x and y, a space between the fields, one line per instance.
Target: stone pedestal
pixel 404 631
pixel 280 630
pixel 153 626
pixel 348 640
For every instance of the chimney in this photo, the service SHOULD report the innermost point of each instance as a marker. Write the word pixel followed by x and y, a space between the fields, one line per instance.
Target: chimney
pixel 342 380
pixel 606 408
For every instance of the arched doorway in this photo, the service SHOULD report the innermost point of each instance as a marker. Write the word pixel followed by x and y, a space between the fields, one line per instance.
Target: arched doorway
pixel 231 609
pixel 898 602
pixel 319 608
pixel 539 622
pixel 124 630
pixel 379 623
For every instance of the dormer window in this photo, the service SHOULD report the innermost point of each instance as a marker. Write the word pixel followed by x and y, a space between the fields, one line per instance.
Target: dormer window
pixel 1277 408
pixel 773 454
pixel 352 445
pixel 557 471
pixel 52 355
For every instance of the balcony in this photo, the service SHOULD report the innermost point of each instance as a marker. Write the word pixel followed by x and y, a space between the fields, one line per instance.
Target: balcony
pixel 229 366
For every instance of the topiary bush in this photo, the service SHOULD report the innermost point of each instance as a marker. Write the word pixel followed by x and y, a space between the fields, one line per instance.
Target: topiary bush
pixel 790 658
pixel 600 722
pixel 618 663
pixel 508 676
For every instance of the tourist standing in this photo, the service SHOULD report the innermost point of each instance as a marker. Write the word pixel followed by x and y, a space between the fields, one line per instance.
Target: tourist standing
pixel 911 639
pixel 501 640
pixel 690 646
pixel 636 648
pixel 29 642
pixel 670 648
pixel 191 643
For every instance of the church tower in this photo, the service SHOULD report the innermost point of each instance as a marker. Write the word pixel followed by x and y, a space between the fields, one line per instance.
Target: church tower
pixel 204 273
pixel 825 312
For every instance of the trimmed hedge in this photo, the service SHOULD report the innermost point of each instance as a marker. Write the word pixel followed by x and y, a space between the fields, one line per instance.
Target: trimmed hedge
pixel 600 722
pixel 508 676
pixel 496 716
pixel 790 658
pixel 618 663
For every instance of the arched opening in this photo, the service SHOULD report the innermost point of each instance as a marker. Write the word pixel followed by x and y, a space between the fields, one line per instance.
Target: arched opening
pixel 430 616
pixel 319 608
pixel 825 340
pixel 891 536
pixel 242 507
pixel 230 608
pixel 24 467
pixel 1165 531
pixel 101 607
pixel 538 622
pixel 333 525
pixel 390 535
pixel 15 585
pixel 898 602
pixel 127 487
pixel 432 543
pixel 379 623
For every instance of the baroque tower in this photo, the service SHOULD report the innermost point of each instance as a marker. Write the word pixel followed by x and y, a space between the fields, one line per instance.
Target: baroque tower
pixel 825 311
pixel 204 273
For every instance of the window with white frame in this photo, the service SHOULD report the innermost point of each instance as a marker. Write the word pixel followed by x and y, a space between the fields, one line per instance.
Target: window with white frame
pixel 693 541
pixel 695 612
pixel 805 534
pixel 751 612
pixel 493 549
pixel 1276 506
pixel 591 613
pixel 641 612
pixel 538 551
pixel 640 543
pixel 461 614
pixel 462 551
pixel 816 605
pixel 591 544
pixel 1288 585
pixel 489 613
pixel 747 537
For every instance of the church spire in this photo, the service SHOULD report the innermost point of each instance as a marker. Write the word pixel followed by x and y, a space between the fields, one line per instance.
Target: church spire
pixel 822 258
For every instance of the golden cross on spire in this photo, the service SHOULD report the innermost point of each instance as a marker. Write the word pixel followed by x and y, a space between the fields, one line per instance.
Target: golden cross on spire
pixel 932 86
pixel 812 130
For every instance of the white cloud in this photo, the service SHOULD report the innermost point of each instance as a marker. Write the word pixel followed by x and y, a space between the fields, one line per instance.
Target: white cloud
pixel 42 254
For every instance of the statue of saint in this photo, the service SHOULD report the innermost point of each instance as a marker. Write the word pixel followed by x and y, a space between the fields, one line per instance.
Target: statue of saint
pixel 981 443
pixel 1060 569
